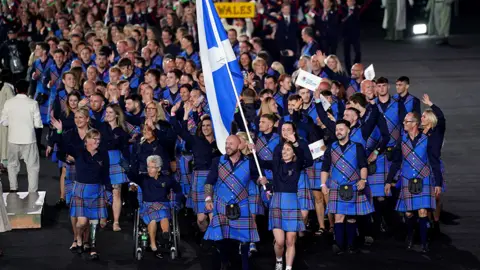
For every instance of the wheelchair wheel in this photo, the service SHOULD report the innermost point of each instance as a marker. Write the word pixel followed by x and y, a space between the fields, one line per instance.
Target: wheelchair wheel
pixel 135 233
pixel 173 253
pixel 139 254
pixel 175 235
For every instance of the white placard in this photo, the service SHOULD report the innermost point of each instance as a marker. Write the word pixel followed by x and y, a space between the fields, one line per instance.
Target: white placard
pixel 308 80
pixel 316 149
pixel 369 73
pixel 326 105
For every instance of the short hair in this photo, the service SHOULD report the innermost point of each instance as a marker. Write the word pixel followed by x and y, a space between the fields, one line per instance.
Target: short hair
pixel 357 112
pixel 134 98
pixel 404 79
pixel 188 86
pixel 59 51
pixel 248 92
pixel 22 86
pixel 189 38
pixel 154 72
pixel 178 73
pixel 125 62
pixel 266 92
pixel 155 159
pixel 271 77
pixel 294 97
pixel 416 117
pixel 44 46
pixel 359 98
pixel 344 122
pixel 270 117
pixel 92 133
pixel 382 80
pixel 308 31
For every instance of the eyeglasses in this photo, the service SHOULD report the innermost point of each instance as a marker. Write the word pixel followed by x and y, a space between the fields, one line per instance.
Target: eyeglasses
pixel 409 121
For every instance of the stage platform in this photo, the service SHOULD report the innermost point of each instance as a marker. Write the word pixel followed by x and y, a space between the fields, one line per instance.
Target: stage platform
pixel 25 209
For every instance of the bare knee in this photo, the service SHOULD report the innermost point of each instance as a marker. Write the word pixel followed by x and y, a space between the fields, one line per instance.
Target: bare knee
pixel 339 218
pixel 422 213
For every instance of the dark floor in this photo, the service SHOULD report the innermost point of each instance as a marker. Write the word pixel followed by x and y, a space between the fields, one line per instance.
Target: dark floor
pixel 449 74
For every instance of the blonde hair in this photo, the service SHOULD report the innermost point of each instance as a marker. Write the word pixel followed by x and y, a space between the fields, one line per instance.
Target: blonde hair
pixel 265 107
pixel 91 133
pixel 339 68
pixel 431 117
pixel 278 67
pixel 243 135
pixel 160 111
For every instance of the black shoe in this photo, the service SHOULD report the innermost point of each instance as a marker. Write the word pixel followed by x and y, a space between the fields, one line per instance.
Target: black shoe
pixel 410 243
pixel 425 248
pixel 337 250
pixel 352 250
pixel 383 227
pixel 61 203
pixel 158 254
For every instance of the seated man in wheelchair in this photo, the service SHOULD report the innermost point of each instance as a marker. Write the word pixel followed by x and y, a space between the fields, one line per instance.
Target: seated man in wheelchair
pixel 155 201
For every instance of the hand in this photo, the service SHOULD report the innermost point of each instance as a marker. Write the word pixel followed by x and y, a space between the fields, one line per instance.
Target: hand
pixel 174 108
pixel 361 184
pixel 35 76
pixel 188 108
pixel 133 187
pixel 70 159
pixel 269 195
pixel 426 100
pixel 56 123
pixel 325 190
pixel 291 138
pixel 149 123
pixel 83 102
pixel 209 205
pixel 438 191
pixel 387 189
pixel 372 157
pixel 251 147
pixel 262 180
pixel 50 84
pixel 48 151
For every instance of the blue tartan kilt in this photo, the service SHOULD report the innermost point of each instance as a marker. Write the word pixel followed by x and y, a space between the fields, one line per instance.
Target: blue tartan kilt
pixel 376 181
pixel 243 229
pixel 88 200
pixel 254 199
pixel 185 177
pixel 157 211
pixel 314 175
pixel 117 173
pixel 285 213
pixel 360 205
pixel 304 193
pixel 264 198
pixel 410 202
pixel 197 194
pixel 70 178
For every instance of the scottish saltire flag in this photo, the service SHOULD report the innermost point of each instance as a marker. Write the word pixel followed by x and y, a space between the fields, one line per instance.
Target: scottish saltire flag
pixel 220 69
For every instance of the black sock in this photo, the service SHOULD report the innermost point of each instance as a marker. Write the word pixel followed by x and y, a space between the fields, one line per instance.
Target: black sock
pixel 410 226
pixel 245 248
pixel 423 224
pixel 223 249
pixel 351 233
pixel 339 234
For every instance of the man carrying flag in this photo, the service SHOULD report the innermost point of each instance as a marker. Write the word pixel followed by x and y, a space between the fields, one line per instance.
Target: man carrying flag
pixel 226 188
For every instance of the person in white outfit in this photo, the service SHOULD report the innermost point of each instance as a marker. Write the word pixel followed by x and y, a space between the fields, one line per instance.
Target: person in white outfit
pixel 22 115
pixel 4 222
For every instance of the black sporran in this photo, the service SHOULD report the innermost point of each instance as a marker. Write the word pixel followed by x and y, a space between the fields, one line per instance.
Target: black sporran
pixel 232 211
pixel 346 192
pixel 389 153
pixel 41 99
pixel 415 186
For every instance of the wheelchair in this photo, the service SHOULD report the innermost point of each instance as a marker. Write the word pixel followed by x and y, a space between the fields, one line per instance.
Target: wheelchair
pixel 141 239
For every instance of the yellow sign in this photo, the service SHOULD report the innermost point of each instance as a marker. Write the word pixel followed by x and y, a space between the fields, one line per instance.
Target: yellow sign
pixel 235 10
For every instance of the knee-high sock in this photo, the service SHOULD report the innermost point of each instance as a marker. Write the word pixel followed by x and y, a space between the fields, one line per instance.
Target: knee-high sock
pixel 351 233
pixel 411 225
pixel 423 224
pixel 339 234
pixel 223 250
pixel 245 247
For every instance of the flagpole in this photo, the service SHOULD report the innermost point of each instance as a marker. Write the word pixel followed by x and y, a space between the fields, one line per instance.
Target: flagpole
pixel 108 12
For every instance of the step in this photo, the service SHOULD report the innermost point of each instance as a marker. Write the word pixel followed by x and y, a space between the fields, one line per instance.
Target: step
pixel 25 209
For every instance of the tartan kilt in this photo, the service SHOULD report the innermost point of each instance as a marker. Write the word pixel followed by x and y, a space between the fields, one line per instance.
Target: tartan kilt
pixel 304 193
pixel 376 181
pixel 285 213
pixel 117 173
pixel 264 198
pixel 88 200
pixel 360 205
pixel 70 177
pixel 243 229
pixel 254 199
pixel 197 194
pixel 409 202
pixel 185 177
pixel 314 175
pixel 154 211
pixel 444 184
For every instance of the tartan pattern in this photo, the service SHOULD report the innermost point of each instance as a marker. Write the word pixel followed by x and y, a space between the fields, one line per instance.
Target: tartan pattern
pixel 92 116
pixel 265 150
pixel 412 160
pixel 415 164
pixel 314 175
pixel 304 194
pixel 285 213
pixel 197 194
pixel 393 122
pixel 340 160
pixel 117 173
pixel 357 136
pixel 243 229
pixel 409 103
pixel 254 199
pixel 88 200
pixel 154 211
pixel 376 181
pixel 40 69
pixel 359 205
pixel 373 141
pixel 185 178
pixel 70 178
pixel 131 129
pixel 233 178
pixel 62 97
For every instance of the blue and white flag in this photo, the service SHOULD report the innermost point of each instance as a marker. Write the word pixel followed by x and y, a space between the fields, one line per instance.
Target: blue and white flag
pixel 220 69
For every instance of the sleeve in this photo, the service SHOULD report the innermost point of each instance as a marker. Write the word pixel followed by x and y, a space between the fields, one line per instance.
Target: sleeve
pixel 253 170
pixel 322 114
pixel 434 153
pixel 181 130
pixel 4 116
pixel 441 124
pixel 213 174
pixel 384 133
pixel 361 157
pixel 396 162
pixel 305 151
pixel 327 159
pixel 337 77
pixel 369 125
pixel 37 120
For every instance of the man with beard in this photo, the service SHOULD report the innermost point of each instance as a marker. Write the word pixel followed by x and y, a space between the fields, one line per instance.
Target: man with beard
pixel 345 164
pixel 226 191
